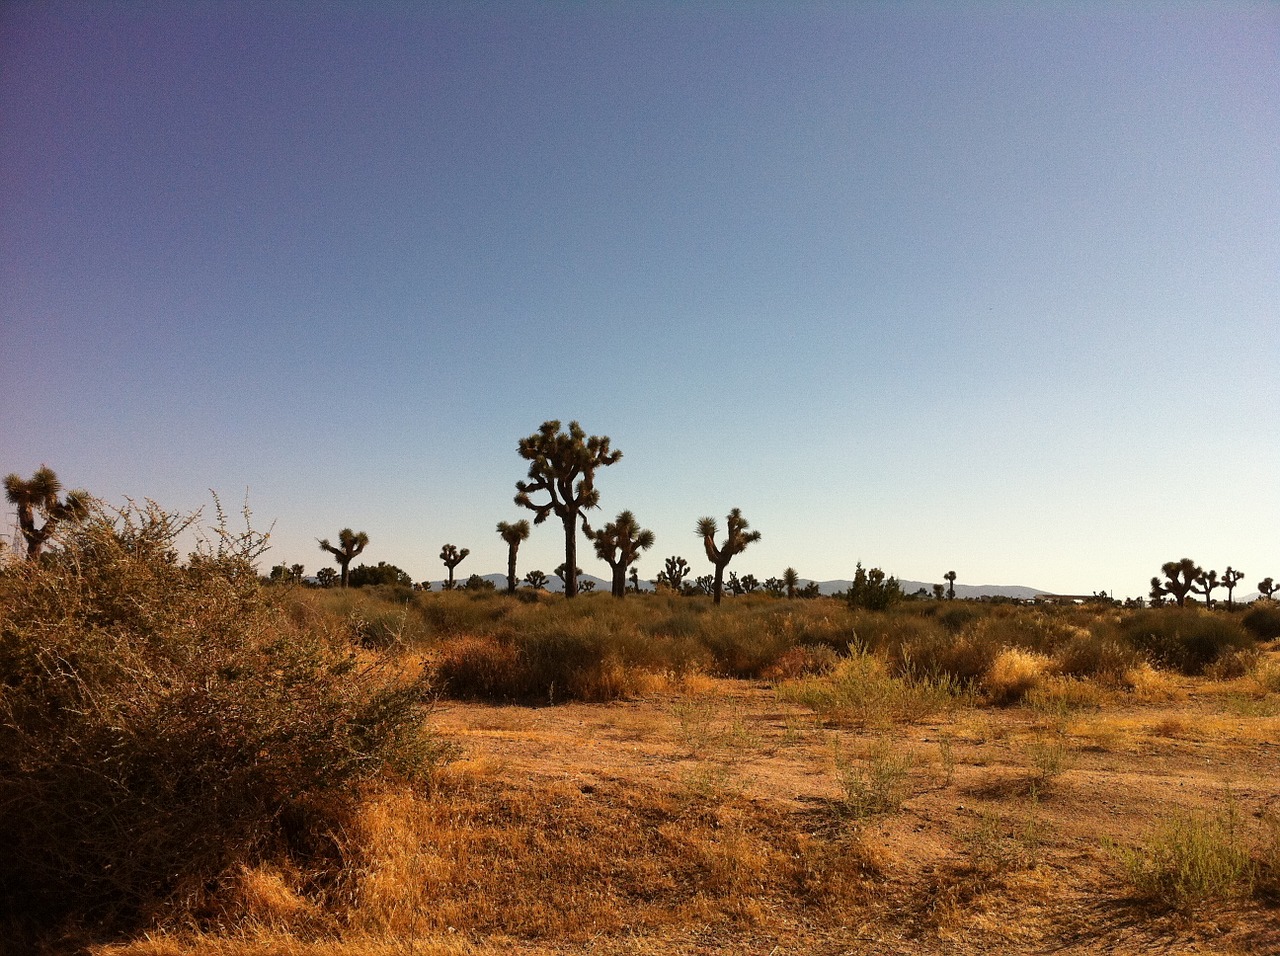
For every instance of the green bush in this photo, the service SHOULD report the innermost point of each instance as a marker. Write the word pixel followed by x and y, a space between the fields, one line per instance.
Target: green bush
pixel 162 723
pixel 1186 639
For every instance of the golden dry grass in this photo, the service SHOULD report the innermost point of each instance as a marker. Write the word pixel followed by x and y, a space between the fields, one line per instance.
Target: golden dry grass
pixel 711 818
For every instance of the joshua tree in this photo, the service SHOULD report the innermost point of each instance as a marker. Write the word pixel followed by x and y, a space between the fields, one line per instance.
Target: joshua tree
pixel 791 578
pixel 635 579
pixel 326 577
pixel 562 572
pixel 950 577
pixel 618 544
pixel 1180 577
pixel 673 575
pixel 513 533
pixel 1267 587
pixel 735 543
pixel 750 583
pixel 452 557
pixel 40 494
pixel 296 571
pixel 939 592
pixel 536 580
pixel 350 544
pixel 1230 578
pixel 1208 580
pixel 564 467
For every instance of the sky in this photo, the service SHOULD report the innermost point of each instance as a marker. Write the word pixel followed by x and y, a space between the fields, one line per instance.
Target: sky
pixel 984 287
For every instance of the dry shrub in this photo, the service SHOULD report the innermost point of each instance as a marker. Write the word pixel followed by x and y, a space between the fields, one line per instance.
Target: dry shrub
pixel 481 668
pixel 1150 685
pixel 1185 639
pixel 1102 655
pixel 1263 621
pixel 802 662
pixel 1014 674
pixel 921 647
pixel 1234 664
pixel 862 691
pixel 162 724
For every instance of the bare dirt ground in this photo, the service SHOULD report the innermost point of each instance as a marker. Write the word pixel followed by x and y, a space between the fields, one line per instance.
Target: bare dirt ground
pixel 1000 841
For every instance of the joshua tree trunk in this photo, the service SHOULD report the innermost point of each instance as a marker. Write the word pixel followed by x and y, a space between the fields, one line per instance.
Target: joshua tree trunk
pixel 570 556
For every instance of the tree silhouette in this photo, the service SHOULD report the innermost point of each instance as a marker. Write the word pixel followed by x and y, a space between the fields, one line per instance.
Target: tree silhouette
pixel 326 577
pixel 950 577
pixel 452 557
pixel 736 541
pixel 563 466
pixel 513 533
pixel 673 575
pixel 1230 578
pixel 536 580
pixel 40 494
pixel 1207 581
pixel 1267 587
pixel 350 544
pixel 562 572
pixel 635 579
pixel 1180 577
pixel 791 578
pixel 618 544
pixel 750 583
pixel 939 592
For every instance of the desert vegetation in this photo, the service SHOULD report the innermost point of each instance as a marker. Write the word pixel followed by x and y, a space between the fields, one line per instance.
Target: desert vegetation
pixel 198 758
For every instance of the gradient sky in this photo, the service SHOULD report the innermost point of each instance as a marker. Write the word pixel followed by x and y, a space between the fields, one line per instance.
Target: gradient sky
pixel 989 287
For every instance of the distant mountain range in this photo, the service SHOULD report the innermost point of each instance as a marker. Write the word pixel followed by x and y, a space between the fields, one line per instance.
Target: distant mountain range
pixel 824 587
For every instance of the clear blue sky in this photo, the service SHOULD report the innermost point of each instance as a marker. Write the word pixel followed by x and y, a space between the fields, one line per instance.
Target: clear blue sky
pixel 989 287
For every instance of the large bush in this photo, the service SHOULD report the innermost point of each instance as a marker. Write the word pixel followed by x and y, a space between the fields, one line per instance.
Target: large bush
pixel 161 722
pixel 1187 639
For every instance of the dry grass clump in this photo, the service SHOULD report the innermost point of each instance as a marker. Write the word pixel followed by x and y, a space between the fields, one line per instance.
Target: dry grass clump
pixel 861 691
pixel 1149 685
pixel 1013 674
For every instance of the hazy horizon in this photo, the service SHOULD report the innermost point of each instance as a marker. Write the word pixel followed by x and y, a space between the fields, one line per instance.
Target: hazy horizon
pixel 977 287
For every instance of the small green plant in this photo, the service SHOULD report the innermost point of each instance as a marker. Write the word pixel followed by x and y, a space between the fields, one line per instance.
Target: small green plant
pixel 879 783
pixel 1190 858
pixel 861 691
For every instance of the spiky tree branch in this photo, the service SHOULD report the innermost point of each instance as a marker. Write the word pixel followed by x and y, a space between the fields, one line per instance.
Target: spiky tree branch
pixel 1207 581
pixel 1230 578
pixel 563 467
pixel 1180 578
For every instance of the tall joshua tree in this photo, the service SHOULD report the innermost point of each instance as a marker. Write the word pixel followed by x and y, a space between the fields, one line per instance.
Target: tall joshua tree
pixel 452 557
pixel 1180 576
pixel 1230 578
pixel 350 544
pixel 951 585
pixel 1267 587
pixel 563 466
pixel 40 494
pixel 1207 581
pixel 735 543
pixel 619 544
pixel 513 532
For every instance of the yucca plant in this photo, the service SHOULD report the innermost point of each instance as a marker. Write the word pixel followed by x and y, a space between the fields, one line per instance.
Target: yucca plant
pixel 452 557
pixel 513 533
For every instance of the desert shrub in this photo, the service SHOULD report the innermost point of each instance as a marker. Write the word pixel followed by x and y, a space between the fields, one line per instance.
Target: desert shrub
pixel 478 668
pixel 452 613
pixel 956 617
pixel 163 723
pixel 862 691
pixel 1234 664
pixel 1263 621
pixel 923 648
pixel 802 662
pixel 1102 654
pixel 743 645
pixel 1014 673
pixel 1186 639
pixel 1190 858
